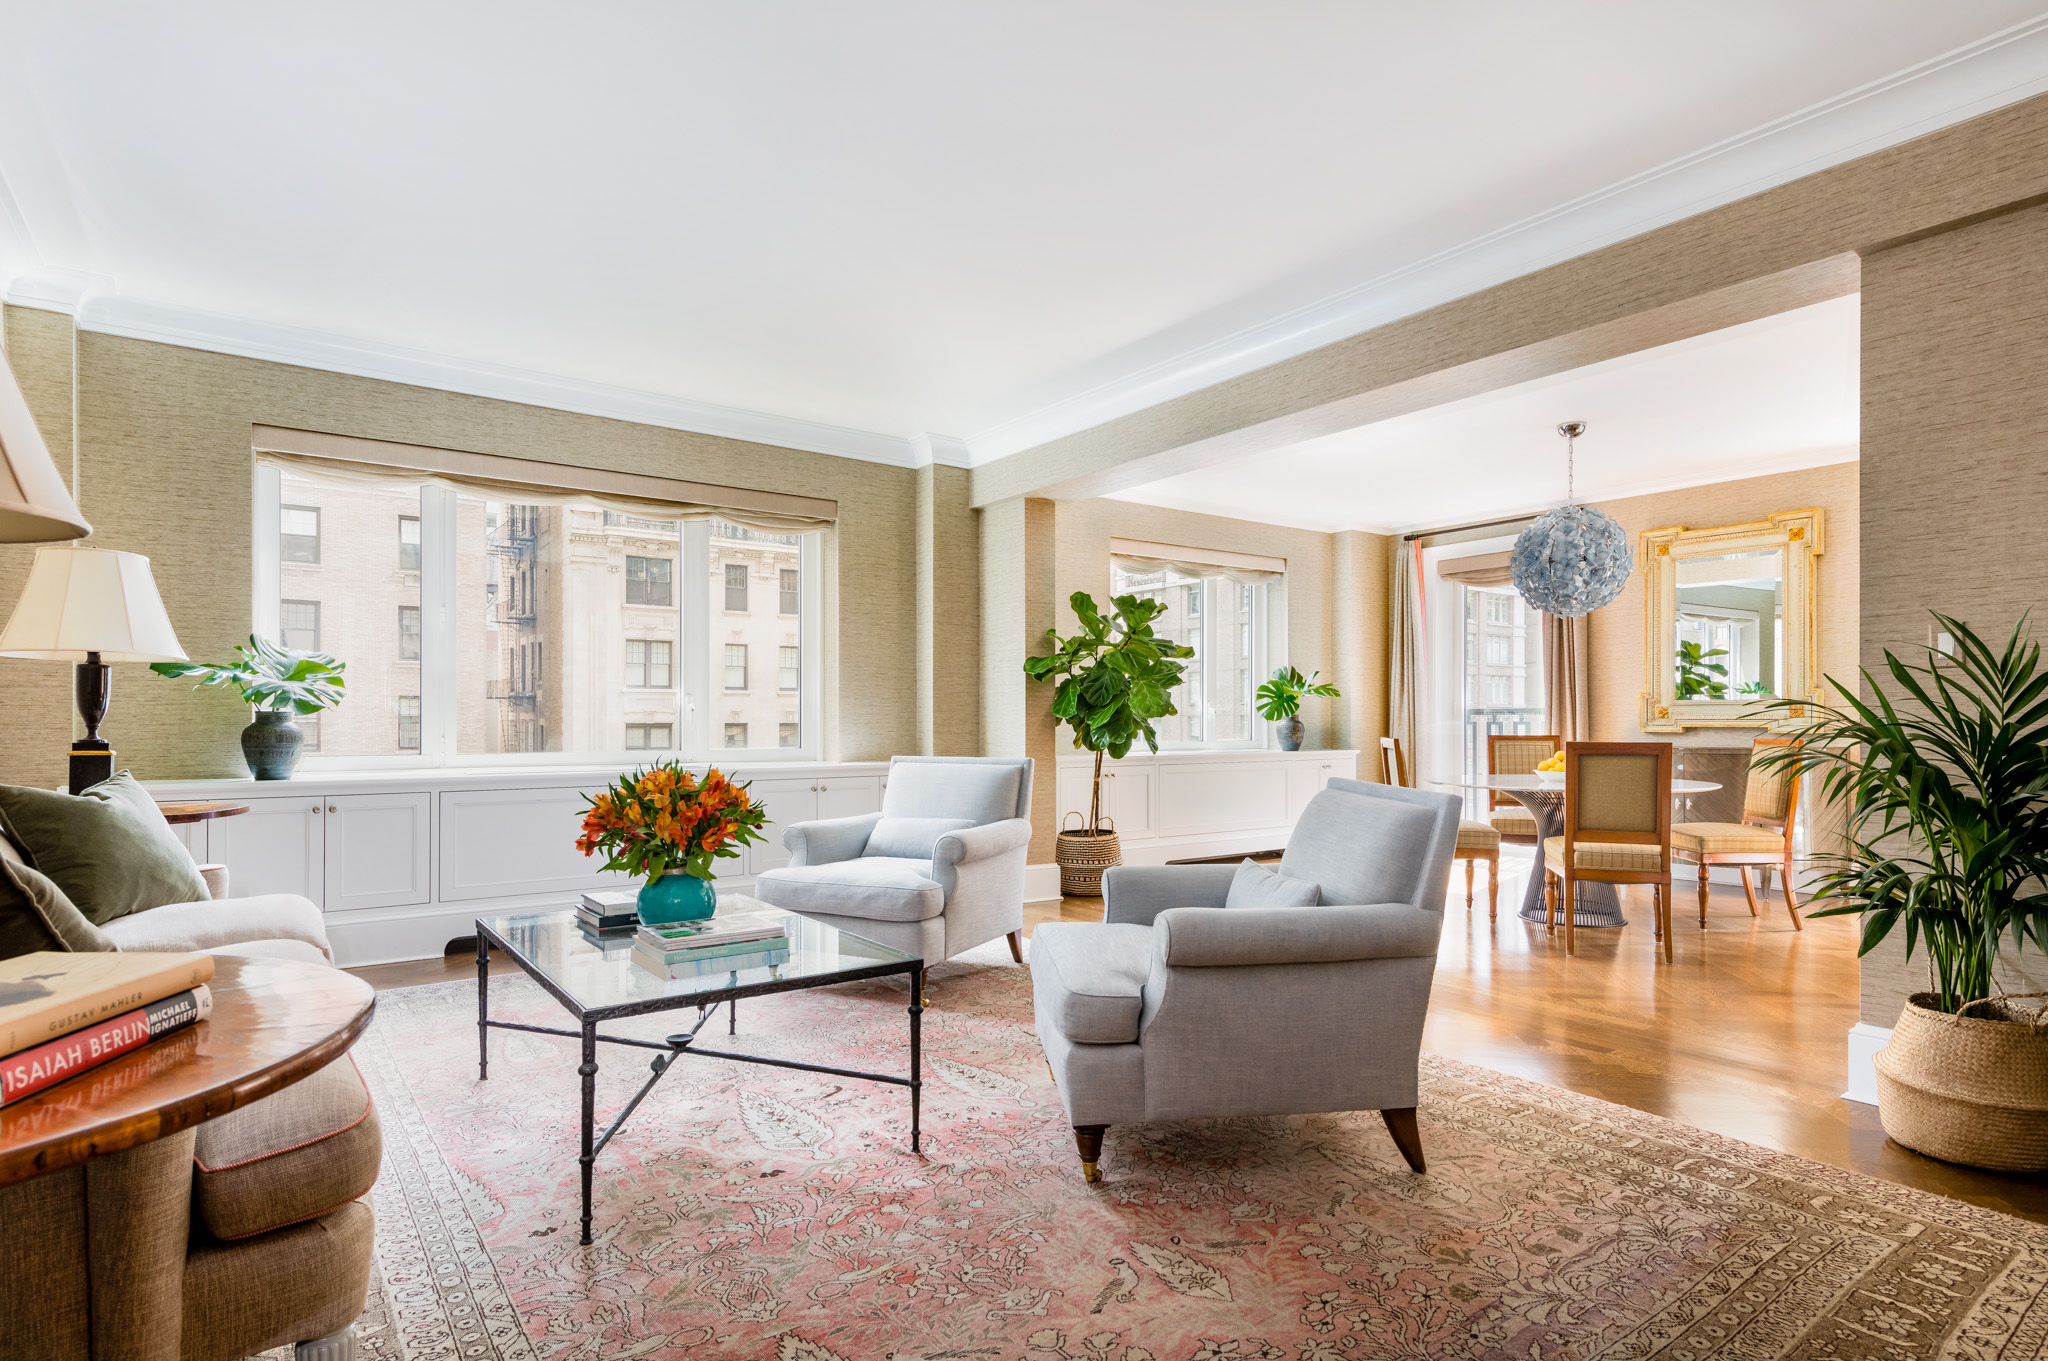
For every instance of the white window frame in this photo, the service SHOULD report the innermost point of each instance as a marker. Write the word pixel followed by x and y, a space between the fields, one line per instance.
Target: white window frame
pixel 1263 612
pixel 690 658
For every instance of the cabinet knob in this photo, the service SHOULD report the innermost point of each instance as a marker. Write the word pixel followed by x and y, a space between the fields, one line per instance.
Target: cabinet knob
pixel 330 808
pixel 823 790
pixel 316 807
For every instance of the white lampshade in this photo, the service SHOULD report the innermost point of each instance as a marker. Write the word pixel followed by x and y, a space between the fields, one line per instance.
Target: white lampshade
pixel 34 507
pixel 81 600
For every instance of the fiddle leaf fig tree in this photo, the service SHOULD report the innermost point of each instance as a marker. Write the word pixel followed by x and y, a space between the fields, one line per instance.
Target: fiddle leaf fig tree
pixel 1114 678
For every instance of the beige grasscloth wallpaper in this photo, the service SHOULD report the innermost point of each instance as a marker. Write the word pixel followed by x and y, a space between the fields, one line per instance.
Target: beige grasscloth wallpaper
pixel 165 470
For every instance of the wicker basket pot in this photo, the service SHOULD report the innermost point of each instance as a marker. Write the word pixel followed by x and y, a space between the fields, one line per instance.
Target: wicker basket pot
pixel 1969 1089
pixel 1083 856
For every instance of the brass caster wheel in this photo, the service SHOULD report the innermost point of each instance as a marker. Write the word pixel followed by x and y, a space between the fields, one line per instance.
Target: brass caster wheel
pixel 1090 1172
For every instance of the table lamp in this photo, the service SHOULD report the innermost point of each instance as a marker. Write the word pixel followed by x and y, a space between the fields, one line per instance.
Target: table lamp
pixel 91 606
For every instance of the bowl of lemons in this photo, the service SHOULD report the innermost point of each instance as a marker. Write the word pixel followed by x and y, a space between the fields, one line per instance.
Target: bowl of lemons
pixel 1552 770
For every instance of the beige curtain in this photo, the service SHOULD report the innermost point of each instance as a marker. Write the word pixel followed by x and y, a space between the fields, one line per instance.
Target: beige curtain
pixel 1567 683
pixel 530 482
pixel 1404 650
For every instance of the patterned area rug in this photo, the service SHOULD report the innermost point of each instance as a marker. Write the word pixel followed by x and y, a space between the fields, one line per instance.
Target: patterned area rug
pixel 760 1213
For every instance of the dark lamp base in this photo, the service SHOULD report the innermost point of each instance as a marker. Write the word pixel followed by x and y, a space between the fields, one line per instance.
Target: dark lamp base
pixel 92 761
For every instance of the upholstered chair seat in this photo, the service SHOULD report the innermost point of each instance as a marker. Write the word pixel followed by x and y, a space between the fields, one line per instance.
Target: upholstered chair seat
pixel 1513 821
pixel 1725 838
pixel 939 870
pixel 1478 836
pixel 1762 841
pixel 1602 855
pixel 1201 995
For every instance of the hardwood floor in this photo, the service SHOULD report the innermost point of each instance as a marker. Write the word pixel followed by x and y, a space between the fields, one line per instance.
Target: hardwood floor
pixel 1744 1034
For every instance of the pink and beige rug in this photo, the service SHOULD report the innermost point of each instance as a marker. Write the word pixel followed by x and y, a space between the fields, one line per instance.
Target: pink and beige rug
pixel 757 1213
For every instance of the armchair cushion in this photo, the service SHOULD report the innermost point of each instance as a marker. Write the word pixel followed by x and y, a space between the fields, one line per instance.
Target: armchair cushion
pixel 35 915
pixel 1201 937
pixel 1253 885
pixel 910 838
pixel 109 848
pixel 1361 849
pixel 980 790
pixel 873 888
pixel 1089 980
pixel 292 1156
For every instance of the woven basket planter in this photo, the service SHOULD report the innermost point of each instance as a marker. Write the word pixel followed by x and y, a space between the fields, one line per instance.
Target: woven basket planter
pixel 1082 857
pixel 1968 1089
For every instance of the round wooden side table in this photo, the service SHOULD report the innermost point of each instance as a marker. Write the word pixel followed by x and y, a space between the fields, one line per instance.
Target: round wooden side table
pixel 275 1021
pixel 200 812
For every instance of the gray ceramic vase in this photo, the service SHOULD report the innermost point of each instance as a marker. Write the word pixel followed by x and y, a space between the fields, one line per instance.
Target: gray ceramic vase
pixel 271 745
pixel 1290 731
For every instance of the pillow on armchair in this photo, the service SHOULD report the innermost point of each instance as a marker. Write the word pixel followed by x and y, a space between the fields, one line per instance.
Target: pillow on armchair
pixel 911 838
pixel 109 849
pixel 35 915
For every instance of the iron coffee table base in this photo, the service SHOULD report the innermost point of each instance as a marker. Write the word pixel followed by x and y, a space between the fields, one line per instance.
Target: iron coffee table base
pixel 676 1045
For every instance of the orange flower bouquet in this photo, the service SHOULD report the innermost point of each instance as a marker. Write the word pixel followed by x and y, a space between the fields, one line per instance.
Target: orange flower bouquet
pixel 666 820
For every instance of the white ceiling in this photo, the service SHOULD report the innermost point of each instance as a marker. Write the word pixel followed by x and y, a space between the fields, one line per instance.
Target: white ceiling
pixel 1762 397
pixel 840 225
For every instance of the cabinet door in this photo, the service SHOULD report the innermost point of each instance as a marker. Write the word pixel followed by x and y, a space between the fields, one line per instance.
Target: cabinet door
pixel 505 843
pixel 1127 790
pixel 1223 797
pixel 787 801
pixel 378 850
pixel 849 796
pixel 1305 779
pixel 275 847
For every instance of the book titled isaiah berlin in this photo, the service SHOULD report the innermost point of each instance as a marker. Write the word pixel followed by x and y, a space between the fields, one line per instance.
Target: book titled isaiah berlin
pixel 50 993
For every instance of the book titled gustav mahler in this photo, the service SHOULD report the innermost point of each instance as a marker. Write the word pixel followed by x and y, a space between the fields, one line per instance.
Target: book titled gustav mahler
pixel 51 993
pixel 31 1070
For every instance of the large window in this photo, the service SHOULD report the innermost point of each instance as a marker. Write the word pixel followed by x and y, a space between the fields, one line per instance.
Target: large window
pixel 1224 622
pixel 532 629
pixel 1500 667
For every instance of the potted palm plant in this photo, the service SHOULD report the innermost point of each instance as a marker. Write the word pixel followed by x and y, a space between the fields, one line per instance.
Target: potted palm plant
pixel 1114 678
pixel 1280 702
pixel 1943 778
pixel 277 684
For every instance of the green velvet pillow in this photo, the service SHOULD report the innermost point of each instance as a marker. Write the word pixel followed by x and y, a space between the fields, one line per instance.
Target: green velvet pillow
pixel 109 849
pixel 35 914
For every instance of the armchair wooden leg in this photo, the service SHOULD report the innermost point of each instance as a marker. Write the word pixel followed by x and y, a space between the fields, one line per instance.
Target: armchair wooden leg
pixel 1016 947
pixel 1703 894
pixel 1088 1138
pixel 339 1346
pixel 1791 899
pixel 1748 888
pixel 1407 1135
pixel 1469 865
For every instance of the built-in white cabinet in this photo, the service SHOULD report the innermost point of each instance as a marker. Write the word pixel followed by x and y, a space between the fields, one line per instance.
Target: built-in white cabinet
pixel 807 800
pixel 498 843
pixel 1178 805
pixel 402 862
pixel 378 850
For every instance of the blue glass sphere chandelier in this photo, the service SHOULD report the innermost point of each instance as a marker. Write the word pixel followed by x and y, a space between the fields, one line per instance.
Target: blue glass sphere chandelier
pixel 1574 559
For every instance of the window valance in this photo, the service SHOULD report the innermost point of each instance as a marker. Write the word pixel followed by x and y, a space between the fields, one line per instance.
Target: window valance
pixel 1481 569
pixel 1247 569
pixel 532 482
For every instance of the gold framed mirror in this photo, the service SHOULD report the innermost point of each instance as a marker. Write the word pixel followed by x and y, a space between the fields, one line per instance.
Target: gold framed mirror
pixel 1730 622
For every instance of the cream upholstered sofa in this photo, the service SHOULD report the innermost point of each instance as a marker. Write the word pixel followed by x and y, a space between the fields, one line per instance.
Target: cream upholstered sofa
pixel 248 1232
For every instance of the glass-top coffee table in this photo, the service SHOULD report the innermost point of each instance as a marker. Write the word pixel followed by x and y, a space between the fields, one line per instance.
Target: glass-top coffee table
pixel 596 980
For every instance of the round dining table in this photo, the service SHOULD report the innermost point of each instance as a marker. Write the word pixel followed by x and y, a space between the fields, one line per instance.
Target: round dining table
pixel 1597 904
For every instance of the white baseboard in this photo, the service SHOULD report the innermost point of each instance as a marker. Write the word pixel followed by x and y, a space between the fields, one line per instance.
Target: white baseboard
pixel 1864 1042
pixel 1041 883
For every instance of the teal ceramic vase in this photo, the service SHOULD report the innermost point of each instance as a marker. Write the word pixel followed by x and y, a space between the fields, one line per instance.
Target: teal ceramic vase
pixel 271 744
pixel 676 897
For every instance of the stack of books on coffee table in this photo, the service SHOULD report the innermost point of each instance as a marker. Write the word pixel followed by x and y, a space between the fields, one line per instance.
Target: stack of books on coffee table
pixel 718 944
pixel 611 912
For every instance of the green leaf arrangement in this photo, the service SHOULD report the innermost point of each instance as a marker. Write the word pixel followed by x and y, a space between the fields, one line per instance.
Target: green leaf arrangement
pixel 1944 779
pixel 1115 677
pixel 1280 697
pixel 1699 678
pixel 270 677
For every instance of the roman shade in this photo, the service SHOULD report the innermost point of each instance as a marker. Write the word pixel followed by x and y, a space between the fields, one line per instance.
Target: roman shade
pixel 1481 569
pixel 532 482
pixel 1246 569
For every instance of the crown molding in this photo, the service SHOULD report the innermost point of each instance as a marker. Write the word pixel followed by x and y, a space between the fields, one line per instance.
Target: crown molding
pixel 1974 79
pixel 948 451
pixel 110 313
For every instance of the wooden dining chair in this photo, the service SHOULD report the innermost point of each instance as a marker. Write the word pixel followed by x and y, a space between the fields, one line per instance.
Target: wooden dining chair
pixel 1617 830
pixel 1476 840
pixel 1515 754
pixel 1770 808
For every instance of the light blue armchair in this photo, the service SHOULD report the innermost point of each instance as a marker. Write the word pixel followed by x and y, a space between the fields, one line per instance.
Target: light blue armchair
pixel 939 870
pixel 1177 1007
